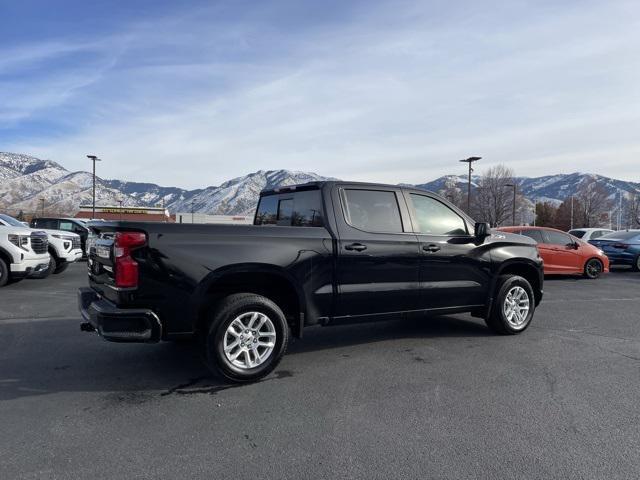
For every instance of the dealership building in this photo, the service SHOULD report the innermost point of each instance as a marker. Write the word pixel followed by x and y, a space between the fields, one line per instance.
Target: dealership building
pixel 131 214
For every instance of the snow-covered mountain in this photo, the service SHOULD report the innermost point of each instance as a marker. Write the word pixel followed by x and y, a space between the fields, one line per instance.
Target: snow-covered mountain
pixel 25 180
pixel 553 188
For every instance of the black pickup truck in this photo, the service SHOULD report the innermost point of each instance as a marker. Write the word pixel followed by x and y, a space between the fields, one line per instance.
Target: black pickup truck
pixel 319 253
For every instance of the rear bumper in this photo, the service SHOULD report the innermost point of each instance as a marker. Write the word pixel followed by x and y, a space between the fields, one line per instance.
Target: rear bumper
pixel 620 258
pixel 118 324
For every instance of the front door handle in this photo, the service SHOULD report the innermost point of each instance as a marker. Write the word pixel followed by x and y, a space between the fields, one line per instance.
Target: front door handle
pixel 431 248
pixel 358 247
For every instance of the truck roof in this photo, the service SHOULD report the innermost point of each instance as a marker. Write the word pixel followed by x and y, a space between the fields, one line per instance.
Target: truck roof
pixel 322 183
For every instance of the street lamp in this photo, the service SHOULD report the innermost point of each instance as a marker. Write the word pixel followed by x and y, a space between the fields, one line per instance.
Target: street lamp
pixel 120 202
pixel 42 200
pixel 515 188
pixel 192 207
pixel 94 159
pixel 470 160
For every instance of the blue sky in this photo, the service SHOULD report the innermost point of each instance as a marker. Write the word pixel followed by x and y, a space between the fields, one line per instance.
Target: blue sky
pixel 194 93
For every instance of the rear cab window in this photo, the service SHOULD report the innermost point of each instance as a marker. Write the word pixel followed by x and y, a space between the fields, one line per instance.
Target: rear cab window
pixel 291 209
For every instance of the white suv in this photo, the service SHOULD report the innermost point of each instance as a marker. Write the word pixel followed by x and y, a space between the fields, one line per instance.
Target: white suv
pixel 64 247
pixel 23 253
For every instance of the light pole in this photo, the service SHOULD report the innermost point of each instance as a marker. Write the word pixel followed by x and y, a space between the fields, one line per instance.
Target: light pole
pixel 515 188
pixel 469 160
pixel 94 159
pixel 571 212
pixel 42 200
pixel 120 202
pixel 192 207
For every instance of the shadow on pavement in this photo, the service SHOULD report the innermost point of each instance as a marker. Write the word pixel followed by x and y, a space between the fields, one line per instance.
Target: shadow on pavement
pixel 135 373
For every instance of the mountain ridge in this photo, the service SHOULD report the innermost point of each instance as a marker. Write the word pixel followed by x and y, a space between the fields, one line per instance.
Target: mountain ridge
pixel 25 180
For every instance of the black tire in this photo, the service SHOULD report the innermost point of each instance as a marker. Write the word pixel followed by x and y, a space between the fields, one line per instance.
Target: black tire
pixel 60 267
pixel 636 266
pixel 225 313
pixel 593 268
pixel 4 273
pixel 497 320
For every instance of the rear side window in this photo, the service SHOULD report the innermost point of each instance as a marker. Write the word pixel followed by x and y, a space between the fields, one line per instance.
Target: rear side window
pixel 557 238
pixel 435 218
pixel 535 234
pixel 372 210
pixel 300 209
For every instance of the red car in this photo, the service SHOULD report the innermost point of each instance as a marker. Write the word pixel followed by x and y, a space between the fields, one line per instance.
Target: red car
pixel 564 254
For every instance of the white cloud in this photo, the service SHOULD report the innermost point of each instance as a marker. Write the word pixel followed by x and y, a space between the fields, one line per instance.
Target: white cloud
pixel 391 95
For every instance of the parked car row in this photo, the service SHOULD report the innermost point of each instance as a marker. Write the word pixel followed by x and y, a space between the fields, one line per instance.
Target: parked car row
pixel 583 251
pixel 28 252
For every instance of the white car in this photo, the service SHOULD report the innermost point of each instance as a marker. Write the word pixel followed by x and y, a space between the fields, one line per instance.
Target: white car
pixel 586 234
pixel 64 247
pixel 23 253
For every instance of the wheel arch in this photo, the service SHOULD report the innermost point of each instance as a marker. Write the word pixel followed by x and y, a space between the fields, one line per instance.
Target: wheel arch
pixel 267 280
pixel 527 270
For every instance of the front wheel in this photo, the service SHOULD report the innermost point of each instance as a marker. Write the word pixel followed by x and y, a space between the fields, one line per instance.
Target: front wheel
pixel 247 337
pixel 636 265
pixel 4 273
pixel 513 306
pixel 60 267
pixel 593 268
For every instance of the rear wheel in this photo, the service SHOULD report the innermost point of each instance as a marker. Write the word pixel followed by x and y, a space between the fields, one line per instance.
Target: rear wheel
pixel 4 273
pixel 593 268
pixel 513 306
pixel 636 265
pixel 247 337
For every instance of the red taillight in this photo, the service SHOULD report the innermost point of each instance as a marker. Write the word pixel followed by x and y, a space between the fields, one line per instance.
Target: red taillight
pixel 126 268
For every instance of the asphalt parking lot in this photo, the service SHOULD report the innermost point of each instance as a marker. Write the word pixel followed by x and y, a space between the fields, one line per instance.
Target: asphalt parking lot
pixel 407 398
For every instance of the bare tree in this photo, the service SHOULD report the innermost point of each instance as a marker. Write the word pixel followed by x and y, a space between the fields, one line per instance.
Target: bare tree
pixel 633 216
pixel 453 193
pixel 594 202
pixel 493 202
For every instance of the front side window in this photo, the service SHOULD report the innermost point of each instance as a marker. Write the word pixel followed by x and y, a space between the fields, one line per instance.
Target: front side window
pixel 435 218
pixel 535 234
pixel 557 238
pixel 68 226
pixel 372 210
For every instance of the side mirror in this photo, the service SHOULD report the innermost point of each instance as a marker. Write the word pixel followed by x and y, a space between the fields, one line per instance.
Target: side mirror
pixel 481 229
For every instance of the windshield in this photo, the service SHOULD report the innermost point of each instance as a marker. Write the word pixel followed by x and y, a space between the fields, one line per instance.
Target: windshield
pixel 11 221
pixel 577 233
pixel 631 234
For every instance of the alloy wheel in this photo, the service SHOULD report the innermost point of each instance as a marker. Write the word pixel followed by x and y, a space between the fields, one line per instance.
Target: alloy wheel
pixel 249 340
pixel 516 307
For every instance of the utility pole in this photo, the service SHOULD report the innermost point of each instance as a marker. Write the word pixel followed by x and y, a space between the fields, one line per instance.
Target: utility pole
pixel 469 160
pixel 571 212
pixel 535 211
pixel 42 200
pixel 192 207
pixel 513 185
pixel 120 202
pixel 619 209
pixel 94 159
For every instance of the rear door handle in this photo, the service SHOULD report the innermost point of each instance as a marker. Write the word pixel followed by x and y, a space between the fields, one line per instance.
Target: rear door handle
pixel 431 248
pixel 358 247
